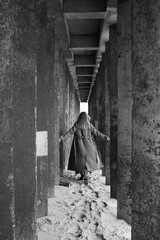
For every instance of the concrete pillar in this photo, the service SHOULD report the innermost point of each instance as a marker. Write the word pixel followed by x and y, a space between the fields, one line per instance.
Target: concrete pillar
pixel 93 106
pixel 7 216
pixel 101 114
pixel 67 116
pixel 42 108
pixel 124 193
pixel 106 111
pixel 53 112
pixel 62 108
pixel 146 120
pixel 73 115
pixel 24 60
pixel 113 109
pixel 102 128
pixel 98 93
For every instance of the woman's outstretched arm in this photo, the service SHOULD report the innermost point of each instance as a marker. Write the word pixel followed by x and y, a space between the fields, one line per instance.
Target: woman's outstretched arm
pixel 68 134
pixel 99 134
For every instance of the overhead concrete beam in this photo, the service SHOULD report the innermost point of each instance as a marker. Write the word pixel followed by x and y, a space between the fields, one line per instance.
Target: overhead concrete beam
pixel 84 90
pixel 84 42
pixel 84 79
pixel 84 71
pixel 84 85
pixel 84 6
pixel 84 15
pixel 87 60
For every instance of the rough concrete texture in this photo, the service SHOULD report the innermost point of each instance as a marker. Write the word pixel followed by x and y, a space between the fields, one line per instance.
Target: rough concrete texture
pixel 7 216
pixel 24 119
pixel 146 120
pixel 106 110
pixel 42 103
pixel 95 111
pixel 94 102
pixel 56 111
pixel 63 104
pixel 74 104
pixel 66 147
pixel 42 187
pixel 101 116
pixel 124 193
pixel 113 109
pixel 72 110
pixel 53 111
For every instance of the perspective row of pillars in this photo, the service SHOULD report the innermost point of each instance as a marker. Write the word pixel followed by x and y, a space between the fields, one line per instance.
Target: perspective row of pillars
pixel 35 110
pixel 128 97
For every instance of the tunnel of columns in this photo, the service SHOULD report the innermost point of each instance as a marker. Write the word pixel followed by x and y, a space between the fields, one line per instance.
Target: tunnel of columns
pixel 54 55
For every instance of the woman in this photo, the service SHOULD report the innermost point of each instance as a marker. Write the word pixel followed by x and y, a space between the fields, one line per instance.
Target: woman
pixel 84 155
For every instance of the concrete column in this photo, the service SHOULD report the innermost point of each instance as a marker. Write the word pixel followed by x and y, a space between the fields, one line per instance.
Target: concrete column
pixel 93 104
pixel 106 110
pixel 42 107
pixel 62 108
pixel 53 112
pixel 71 103
pixel 77 105
pixel 97 99
pixel 7 216
pixel 113 109
pixel 124 194
pixel 146 120
pixel 24 60
pixel 74 104
pixel 67 116
pixel 103 112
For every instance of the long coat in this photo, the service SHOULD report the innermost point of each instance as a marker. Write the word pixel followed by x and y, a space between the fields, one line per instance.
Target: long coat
pixel 83 151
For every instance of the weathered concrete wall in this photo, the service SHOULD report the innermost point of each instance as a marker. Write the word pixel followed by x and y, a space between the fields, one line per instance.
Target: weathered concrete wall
pixel 113 109
pixel 105 120
pixel 30 96
pixel 74 105
pixel 124 192
pixel 7 214
pixel 42 107
pixel 53 112
pixel 94 102
pixel 146 120
pixel 101 111
pixel 62 109
pixel 24 61
pixel 71 112
pixel 95 109
pixel 92 105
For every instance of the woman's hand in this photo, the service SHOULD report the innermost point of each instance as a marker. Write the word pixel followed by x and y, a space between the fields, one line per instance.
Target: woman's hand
pixel 61 138
pixel 107 138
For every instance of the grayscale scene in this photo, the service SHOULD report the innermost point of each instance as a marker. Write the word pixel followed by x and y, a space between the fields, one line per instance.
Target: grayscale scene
pixel 79 120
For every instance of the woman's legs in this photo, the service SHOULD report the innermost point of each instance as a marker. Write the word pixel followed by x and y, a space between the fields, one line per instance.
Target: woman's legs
pixel 84 176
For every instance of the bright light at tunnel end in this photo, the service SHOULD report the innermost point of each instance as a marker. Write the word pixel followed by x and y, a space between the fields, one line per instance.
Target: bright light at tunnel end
pixel 84 107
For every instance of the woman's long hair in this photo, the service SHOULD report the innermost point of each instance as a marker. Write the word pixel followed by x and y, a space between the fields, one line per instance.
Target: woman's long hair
pixel 83 121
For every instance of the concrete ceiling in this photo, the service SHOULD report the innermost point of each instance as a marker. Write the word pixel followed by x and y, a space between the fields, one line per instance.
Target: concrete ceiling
pixel 86 24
